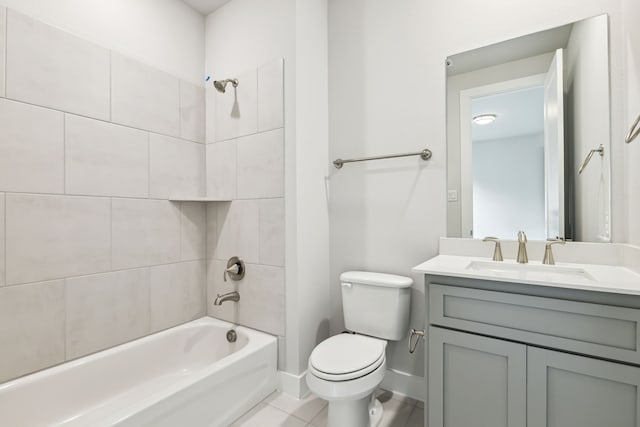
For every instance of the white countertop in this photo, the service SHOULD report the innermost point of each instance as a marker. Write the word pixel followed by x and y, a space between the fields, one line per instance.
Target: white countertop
pixel 599 278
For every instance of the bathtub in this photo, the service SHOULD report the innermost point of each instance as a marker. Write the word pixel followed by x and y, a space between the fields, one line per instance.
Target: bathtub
pixel 185 376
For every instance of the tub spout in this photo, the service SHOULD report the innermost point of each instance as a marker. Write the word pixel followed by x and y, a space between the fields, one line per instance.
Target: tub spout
pixel 231 296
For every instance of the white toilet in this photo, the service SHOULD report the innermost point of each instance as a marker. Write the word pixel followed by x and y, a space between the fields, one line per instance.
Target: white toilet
pixel 347 368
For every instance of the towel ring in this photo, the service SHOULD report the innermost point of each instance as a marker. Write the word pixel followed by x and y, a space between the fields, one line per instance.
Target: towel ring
pixel 634 131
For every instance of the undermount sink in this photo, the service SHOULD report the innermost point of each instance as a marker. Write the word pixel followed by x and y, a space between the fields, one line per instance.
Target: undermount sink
pixel 531 271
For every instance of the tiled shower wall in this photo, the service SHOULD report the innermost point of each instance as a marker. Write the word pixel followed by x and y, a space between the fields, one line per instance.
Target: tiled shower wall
pixel 245 164
pixel 92 144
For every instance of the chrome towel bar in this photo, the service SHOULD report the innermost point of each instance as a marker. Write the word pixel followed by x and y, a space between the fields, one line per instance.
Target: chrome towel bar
pixel 634 131
pixel 424 155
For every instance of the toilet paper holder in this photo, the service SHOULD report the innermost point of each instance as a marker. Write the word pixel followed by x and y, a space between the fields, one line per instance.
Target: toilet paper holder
pixel 414 344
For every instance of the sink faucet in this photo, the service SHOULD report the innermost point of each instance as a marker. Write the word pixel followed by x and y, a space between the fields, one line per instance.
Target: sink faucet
pixel 522 248
pixel 548 254
pixel 231 296
pixel 497 251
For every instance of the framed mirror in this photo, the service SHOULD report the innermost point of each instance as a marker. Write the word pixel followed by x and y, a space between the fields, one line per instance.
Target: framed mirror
pixel 528 136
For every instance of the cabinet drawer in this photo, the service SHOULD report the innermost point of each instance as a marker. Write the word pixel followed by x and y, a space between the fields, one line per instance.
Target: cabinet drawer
pixel 593 329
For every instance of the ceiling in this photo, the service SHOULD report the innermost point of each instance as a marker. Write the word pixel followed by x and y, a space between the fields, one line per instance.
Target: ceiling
pixel 510 50
pixel 206 6
pixel 519 112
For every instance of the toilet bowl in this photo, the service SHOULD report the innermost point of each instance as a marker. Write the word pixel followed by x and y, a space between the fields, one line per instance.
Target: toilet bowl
pixel 347 368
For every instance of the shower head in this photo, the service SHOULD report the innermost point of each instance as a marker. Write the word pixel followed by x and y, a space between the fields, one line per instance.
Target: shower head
pixel 221 85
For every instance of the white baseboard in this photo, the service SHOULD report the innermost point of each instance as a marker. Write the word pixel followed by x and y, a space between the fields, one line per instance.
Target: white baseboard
pixel 404 383
pixel 295 385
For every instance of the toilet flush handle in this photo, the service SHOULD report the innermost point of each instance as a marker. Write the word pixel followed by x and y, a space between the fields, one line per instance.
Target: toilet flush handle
pixel 418 334
pixel 346 285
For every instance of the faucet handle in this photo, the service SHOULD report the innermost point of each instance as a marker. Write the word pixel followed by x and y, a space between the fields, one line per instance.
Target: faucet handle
pixel 497 252
pixel 548 253
pixel 235 269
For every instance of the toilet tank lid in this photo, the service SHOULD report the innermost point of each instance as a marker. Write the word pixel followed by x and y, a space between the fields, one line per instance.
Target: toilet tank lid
pixel 376 279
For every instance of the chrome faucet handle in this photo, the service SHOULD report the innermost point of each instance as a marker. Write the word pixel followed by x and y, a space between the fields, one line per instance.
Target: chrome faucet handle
pixel 548 253
pixel 522 257
pixel 235 269
pixel 497 251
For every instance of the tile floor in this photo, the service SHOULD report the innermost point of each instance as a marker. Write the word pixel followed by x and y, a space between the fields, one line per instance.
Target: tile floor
pixel 280 410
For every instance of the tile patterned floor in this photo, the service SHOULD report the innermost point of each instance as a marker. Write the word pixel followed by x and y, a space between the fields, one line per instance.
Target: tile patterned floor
pixel 280 410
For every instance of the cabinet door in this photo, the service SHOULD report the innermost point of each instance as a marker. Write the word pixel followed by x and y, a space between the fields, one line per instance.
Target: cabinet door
pixel 565 390
pixel 475 381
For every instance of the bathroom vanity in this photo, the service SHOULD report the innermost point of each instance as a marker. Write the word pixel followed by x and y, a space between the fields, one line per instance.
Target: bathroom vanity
pixel 531 345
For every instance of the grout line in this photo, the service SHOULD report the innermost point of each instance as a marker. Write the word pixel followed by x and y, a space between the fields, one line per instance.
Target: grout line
pixel 111 233
pixel 179 108
pixel 149 328
pixel 65 311
pixel 110 86
pixel 6 47
pixel 117 270
pixel 148 165
pixel 181 209
pixel 64 153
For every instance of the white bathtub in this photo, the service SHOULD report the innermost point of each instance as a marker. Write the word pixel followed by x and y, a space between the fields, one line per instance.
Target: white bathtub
pixel 185 376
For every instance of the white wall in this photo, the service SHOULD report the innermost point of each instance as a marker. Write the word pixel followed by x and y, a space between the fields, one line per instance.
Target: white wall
pixel 243 35
pixel 387 94
pixel 384 216
pixel 165 34
pixel 631 10
pixel 308 313
pixel 508 183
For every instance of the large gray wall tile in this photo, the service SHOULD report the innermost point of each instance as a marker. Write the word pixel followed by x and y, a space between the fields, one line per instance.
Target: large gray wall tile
pixel 177 293
pixel 238 230
pixel 221 170
pixel 32 157
pixel 52 68
pixel 144 232
pixel 50 237
pixel 31 328
pixel 271 96
pixel 3 46
pixel 144 97
pixel 177 167
pixel 192 234
pixel 192 112
pixel 104 310
pixel 272 231
pixel 261 165
pixel 261 304
pixel 103 159
pixel 236 110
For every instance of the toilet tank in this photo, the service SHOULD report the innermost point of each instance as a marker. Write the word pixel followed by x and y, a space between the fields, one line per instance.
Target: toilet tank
pixel 376 304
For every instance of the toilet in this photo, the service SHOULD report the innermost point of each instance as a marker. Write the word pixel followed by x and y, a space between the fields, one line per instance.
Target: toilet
pixel 347 368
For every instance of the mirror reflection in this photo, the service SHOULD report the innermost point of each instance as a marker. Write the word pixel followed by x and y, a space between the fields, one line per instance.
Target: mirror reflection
pixel 523 117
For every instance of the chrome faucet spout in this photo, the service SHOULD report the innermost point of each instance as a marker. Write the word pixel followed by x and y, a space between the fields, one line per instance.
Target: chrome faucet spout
pixel 231 296
pixel 522 248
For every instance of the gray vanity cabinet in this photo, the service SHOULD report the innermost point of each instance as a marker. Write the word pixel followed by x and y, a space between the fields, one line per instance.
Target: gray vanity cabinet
pixel 476 381
pixel 529 357
pixel 565 390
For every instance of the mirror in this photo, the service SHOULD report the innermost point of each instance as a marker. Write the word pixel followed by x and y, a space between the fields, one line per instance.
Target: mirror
pixel 523 117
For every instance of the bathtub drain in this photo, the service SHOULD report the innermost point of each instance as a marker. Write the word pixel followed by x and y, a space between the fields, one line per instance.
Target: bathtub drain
pixel 232 336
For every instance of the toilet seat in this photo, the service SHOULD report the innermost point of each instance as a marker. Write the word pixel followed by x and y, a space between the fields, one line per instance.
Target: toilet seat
pixel 346 357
